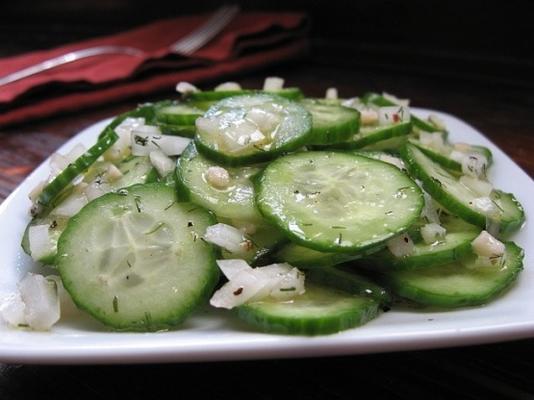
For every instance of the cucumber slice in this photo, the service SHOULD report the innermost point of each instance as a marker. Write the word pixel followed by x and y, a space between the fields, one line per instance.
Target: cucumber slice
pixel 306 258
pixel 252 128
pixel 331 123
pixel 134 260
pixel 178 114
pixel 457 285
pixel 459 199
pixel 51 191
pixel 455 245
pixel 234 202
pixel 374 135
pixel 290 93
pixel 381 101
pixel 337 202
pixel 177 130
pixel 56 226
pixel 134 170
pixel 319 311
pixel 447 162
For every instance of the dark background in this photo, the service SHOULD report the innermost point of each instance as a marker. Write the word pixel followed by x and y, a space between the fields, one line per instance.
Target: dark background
pixel 474 59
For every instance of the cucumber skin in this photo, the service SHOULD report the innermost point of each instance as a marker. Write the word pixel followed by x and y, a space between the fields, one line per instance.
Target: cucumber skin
pixel 141 326
pixel 397 130
pixel 177 130
pixel 424 297
pixel 310 327
pixel 290 93
pixel 433 187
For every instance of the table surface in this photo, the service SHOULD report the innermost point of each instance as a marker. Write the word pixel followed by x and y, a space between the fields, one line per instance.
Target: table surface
pixel 501 111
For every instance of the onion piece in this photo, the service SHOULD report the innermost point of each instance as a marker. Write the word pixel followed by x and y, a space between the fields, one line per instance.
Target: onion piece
pixel 393 115
pixel 96 189
pixel 230 86
pixel 480 187
pixel 485 205
pixel 475 165
pixel 331 93
pixel 432 233
pixel 186 88
pixel 40 296
pixel 121 148
pixel 58 162
pixel 273 83
pixel 433 140
pixel 228 237
pixel 230 268
pixel 147 138
pixel 401 245
pixel 437 122
pixel 12 309
pixel 486 245
pixel 430 212
pixel 163 164
pixel 39 239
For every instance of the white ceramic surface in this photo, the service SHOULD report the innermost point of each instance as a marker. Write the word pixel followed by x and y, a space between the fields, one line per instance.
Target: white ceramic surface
pixel 218 335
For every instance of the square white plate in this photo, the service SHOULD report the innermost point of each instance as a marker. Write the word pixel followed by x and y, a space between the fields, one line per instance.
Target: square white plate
pixel 218 335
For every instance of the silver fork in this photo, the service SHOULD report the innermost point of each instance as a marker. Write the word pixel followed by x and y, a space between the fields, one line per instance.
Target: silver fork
pixel 185 46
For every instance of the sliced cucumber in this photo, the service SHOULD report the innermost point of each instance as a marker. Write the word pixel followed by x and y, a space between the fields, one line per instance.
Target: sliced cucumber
pixel 320 310
pixel 455 245
pixel 447 162
pixel 306 258
pixel 177 130
pixel 337 202
pixel 134 260
pixel 178 114
pixel 374 135
pixel 235 201
pixel 135 170
pixel 447 190
pixel 80 165
pixel 331 123
pixel 252 128
pixel 291 93
pixel 457 285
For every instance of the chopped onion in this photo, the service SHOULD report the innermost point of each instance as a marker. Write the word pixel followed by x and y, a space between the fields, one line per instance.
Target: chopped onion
pixel 218 177
pixel 457 156
pixel 480 187
pixel 279 281
pixel 146 139
pixel 39 238
pixel 401 246
pixel 437 122
pixel 41 300
pixel 273 83
pixel 72 204
pixel 331 93
pixel 475 165
pixel 121 148
pixel 59 162
pixel 264 120
pixel 394 99
pixel 434 141
pixel 163 164
pixel 368 116
pixel 486 245
pixel 485 205
pixel 393 115
pixel 230 86
pixel 186 88
pixel 113 173
pixel 430 212
pixel 96 189
pixel 230 268
pixel 227 237
pixel 432 232
pixel 12 309
pixel 463 147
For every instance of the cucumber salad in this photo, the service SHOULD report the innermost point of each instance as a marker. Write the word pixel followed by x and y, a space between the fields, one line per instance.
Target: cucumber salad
pixel 301 215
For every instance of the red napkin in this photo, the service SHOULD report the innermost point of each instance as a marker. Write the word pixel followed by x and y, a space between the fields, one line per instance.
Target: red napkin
pixel 251 40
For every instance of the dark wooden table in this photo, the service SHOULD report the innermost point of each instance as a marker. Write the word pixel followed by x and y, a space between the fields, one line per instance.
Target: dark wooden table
pixel 502 111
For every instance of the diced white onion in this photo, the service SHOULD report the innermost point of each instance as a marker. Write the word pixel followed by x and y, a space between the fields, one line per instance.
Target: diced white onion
pixel 394 99
pixel 121 148
pixel 39 238
pixel 230 86
pixel 480 187
pixel 163 164
pixel 12 309
pixel 368 116
pixel 186 88
pixel 434 141
pixel 58 162
pixel 432 232
pixel 264 120
pixel 146 138
pixel 72 204
pixel 463 147
pixel 457 156
pixel 485 262
pixel 485 205
pixel 430 211
pixel 273 83
pixel 474 164
pixel 437 122
pixel 486 245
pixel 230 268
pixel 113 173
pixel 227 237
pixel 331 93
pixel 393 115
pixel 218 177
pixel 41 300
pixel 96 189
pixel 279 281
pixel 401 245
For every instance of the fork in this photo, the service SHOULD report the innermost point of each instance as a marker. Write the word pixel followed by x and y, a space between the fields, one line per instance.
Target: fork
pixel 185 46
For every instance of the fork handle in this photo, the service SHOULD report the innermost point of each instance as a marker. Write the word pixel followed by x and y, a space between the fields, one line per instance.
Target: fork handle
pixel 67 59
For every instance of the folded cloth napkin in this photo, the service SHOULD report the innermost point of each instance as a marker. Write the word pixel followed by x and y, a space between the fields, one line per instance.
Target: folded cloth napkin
pixel 250 41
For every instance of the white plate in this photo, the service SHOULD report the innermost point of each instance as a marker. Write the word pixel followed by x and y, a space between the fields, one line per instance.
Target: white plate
pixel 217 335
